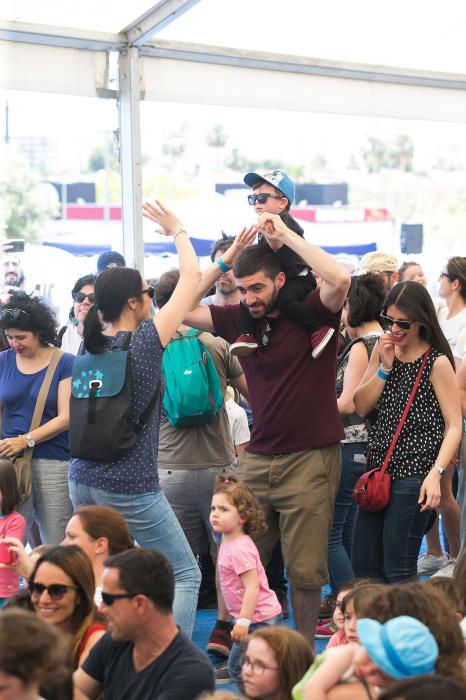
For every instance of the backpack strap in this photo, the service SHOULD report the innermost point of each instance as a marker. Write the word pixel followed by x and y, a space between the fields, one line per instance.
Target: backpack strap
pixel 145 415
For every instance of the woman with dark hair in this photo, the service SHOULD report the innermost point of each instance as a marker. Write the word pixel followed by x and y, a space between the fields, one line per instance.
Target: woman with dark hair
pixel 30 328
pixel 62 588
pixel 427 687
pixel 360 316
pixel 387 542
pixel 130 484
pixel 83 298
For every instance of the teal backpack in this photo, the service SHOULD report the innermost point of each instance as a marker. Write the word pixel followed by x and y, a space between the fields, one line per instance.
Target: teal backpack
pixel 192 387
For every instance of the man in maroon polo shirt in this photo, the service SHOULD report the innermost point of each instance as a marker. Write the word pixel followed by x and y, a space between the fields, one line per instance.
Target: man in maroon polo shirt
pixel 293 460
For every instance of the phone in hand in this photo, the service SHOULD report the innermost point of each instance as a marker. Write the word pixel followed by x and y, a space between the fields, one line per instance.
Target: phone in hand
pixel 6 555
pixel 16 245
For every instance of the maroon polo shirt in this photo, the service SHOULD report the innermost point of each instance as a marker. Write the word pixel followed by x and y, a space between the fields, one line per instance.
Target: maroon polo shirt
pixel 292 396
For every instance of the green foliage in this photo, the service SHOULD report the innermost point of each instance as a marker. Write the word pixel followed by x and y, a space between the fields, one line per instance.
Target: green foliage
pixel 217 138
pixel 396 155
pixel 24 210
pixel 240 163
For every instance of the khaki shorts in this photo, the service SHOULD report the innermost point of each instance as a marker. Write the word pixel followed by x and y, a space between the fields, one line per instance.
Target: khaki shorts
pixel 297 492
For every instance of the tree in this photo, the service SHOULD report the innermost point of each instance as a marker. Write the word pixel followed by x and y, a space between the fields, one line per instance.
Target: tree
pixel 24 211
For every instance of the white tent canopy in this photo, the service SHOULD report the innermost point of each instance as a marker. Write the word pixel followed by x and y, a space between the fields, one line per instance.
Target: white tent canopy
pixel 403 60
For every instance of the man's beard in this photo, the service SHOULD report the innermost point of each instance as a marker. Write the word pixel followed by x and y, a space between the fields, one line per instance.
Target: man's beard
pixel 13 280
pixel 267 307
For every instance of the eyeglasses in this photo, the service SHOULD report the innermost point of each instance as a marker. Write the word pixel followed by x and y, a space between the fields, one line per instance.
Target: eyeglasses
pixel 404 325
pixel 79 297
pixel 261 198
pixel 447 275
pixel 109 598
pixel 150 291
pixel 56 591
pixel 13 314
pixel 257 667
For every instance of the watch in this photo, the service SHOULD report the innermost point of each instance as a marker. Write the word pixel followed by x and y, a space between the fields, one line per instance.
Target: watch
pixel 440 470
pixel 30 442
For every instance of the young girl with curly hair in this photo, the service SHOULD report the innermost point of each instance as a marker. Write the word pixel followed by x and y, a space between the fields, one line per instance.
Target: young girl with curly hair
pixel 236 515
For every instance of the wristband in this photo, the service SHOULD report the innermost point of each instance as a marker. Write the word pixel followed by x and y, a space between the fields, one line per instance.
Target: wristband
pixel 222 265
pixel 382 374
pixel 386 370
pixel 244 622
pixel 177 233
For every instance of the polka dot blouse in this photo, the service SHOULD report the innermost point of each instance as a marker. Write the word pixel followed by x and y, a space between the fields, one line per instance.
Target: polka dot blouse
pixel 136 470
pixel 421 437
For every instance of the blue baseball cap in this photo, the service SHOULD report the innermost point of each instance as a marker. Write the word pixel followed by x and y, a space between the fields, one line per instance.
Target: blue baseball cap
pixel 110 258
pixel 277 178
pixel 402 647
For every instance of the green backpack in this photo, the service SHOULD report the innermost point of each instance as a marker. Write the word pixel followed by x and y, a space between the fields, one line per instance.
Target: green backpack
pixel 192 387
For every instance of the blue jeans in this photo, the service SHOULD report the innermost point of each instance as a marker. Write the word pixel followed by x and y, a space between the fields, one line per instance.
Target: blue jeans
pixel 235 660
pixel 386 543
pixel 340 541
pixel 153 524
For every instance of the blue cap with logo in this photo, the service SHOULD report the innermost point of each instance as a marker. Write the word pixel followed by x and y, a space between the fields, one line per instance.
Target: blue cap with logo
pixel 402 647
pixel 277 178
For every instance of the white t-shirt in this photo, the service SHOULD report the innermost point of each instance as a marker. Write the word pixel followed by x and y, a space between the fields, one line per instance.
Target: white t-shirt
pixel 238 420
pixel 452 326
pixel 460 347
pixel 71 340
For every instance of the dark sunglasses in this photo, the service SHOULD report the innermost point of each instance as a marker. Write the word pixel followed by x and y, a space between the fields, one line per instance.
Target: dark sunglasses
pixel 150 291
pixel 13 314
pixel 56 591
pixel 261 198
pixel 80 296
pixel 447 275
pixel 389 322
pixel 109 598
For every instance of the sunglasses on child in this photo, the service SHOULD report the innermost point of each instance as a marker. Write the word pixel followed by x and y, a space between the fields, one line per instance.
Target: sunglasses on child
pixel 389 322
pixel 261 198
pixel 79 297
pixel 13 314
pixel 56 591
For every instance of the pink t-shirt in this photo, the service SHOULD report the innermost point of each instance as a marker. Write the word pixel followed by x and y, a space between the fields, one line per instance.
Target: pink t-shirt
pixel 13 525
pixel 337 640
pixel 236 558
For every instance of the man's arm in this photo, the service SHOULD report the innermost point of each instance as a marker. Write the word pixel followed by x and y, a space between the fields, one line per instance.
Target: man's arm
pixel 85 687
pixel 336 280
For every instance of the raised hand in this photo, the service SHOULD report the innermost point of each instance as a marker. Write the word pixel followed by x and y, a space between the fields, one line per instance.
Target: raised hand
pixel 168 222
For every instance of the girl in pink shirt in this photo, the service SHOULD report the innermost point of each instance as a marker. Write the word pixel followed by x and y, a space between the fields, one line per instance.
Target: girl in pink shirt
pixel 12 524
pixel 236 514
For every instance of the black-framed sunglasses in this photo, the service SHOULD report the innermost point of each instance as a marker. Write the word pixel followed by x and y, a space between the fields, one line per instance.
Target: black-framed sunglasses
pixel 79 297
pixel 150 291
pixel 389 322
pixel 56 591
pixel 109 598
pixel 13 314
pixel 261 198
pixel 447 275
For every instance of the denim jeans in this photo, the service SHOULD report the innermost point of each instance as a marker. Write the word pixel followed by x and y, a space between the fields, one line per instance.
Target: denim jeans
pixel 462 487
pixel 49 504
pixel 386 543
pixel 341 537
pixel 153 524
pixel 235 660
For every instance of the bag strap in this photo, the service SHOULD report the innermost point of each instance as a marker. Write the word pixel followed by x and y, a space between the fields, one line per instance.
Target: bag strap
pixel 405 412
pixel 42 396
pixel 145 415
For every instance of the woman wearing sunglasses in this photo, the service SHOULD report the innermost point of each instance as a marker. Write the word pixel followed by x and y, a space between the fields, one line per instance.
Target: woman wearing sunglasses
pixel 83 298
pixel 62 588
pixel 130 483
pixel 30 328
pixel 386 542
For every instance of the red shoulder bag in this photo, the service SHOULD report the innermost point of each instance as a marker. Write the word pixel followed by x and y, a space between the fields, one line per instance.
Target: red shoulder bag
pixel 372 490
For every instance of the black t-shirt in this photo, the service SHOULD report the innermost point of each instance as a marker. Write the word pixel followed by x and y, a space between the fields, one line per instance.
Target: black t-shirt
pixel 181 672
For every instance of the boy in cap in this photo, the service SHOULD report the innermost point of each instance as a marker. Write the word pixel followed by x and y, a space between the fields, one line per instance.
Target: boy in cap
pixel 273 192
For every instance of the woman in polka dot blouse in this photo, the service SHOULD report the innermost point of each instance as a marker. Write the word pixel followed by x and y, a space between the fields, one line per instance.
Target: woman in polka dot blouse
pixel 387 542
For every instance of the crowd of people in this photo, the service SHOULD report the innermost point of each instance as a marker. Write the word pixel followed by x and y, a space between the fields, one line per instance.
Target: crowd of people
pixel 313 381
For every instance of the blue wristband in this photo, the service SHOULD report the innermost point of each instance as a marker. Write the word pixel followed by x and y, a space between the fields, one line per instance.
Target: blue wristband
pixel 222 265
pixel 383 375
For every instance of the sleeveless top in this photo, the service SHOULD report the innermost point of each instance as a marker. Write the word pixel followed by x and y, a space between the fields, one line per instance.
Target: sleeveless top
pixel 355 427
pixel 421 437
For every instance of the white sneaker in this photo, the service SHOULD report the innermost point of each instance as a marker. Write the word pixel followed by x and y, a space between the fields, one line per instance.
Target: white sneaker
pixel 428 564
pixel 446 569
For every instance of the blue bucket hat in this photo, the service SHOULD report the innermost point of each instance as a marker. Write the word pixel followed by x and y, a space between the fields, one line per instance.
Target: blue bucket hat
pixel 277 178
pixel 402 647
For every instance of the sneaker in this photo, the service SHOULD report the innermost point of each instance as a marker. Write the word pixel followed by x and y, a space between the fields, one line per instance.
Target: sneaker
pixel 327 607
pixel 325 629
pixel 429 564
pixel 319 340
pixel 222 674
pixel 283 600
pixel 447 568
pixel 220 639
pixel 244 345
